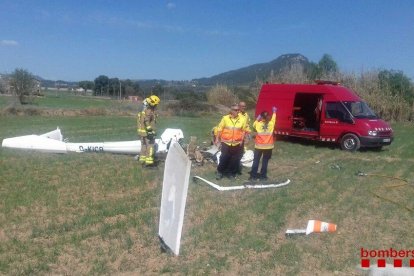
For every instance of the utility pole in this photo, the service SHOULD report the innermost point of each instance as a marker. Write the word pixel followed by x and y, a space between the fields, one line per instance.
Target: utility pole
pixel 120 89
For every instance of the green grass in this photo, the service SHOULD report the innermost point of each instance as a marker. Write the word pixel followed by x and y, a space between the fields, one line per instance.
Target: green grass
pixel 98 213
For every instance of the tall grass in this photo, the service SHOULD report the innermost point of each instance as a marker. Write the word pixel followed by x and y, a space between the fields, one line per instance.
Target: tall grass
pixel 388 106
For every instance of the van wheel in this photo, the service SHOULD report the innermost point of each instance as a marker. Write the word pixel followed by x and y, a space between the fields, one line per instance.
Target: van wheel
pixel 350 142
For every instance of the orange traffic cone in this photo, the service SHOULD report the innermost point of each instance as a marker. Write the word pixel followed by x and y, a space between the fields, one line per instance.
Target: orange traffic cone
pixel 317 226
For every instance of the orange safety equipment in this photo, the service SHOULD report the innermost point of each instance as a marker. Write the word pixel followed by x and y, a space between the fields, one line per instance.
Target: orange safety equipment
pixel 153 100
pixel 264 137
pixel 232 130
pixel 317 226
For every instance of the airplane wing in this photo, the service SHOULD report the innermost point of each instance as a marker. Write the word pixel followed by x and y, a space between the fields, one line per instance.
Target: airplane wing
pixel 52 142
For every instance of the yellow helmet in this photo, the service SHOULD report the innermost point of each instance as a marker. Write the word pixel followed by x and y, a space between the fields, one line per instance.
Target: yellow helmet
pixel 153 100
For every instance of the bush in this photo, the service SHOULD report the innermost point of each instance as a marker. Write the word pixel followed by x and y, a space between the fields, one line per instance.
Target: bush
pixel 221 94
pixel 189 107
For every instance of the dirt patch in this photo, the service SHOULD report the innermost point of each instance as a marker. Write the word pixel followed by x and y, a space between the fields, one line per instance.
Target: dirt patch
pixel 3 236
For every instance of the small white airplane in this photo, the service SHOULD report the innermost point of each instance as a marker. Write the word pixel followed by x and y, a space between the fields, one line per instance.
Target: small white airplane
pixel 53 142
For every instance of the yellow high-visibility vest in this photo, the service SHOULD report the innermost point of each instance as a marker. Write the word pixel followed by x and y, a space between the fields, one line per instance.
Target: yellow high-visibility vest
pixel 232 130
pixel 264 137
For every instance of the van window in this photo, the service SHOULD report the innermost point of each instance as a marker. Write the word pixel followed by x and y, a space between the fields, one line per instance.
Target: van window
pixel 360 110
pixel 335 110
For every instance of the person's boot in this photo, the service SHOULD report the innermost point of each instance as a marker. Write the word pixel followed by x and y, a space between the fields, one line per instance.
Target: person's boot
pixel 253 177
pixel 149 161
pixel 142 159
pixel 263 177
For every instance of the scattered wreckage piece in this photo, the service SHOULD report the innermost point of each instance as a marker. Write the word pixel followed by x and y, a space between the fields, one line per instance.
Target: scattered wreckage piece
pixel 241 187
pixel 213 154
pixel 174 195
pixel 193 151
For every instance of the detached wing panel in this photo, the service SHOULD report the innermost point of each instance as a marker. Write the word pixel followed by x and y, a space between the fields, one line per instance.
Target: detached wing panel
pixel 36 143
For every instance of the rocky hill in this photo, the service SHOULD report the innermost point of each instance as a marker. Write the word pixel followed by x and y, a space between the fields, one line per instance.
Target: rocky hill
pixel 250 73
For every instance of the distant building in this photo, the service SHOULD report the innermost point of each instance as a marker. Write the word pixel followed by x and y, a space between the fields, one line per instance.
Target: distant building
pixel 134 98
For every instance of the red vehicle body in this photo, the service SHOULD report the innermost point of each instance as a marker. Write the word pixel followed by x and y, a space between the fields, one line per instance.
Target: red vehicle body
pixel 325 111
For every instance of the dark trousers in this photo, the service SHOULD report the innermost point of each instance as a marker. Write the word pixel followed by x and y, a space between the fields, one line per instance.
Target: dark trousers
pixel 258 153
pixel 239 169
pixel 229 159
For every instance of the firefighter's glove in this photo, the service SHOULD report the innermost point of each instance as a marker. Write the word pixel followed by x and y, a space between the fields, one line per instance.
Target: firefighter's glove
pixel 150 133
pixel 274 109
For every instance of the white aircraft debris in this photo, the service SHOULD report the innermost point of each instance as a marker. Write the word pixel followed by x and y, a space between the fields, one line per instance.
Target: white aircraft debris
pixel 241 187
pixel 174 196
pixel 214 154
pixel 53 142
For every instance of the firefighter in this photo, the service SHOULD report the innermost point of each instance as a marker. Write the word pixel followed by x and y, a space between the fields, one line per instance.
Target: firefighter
pixel 230 133
pixel 264 143
pixel 146 120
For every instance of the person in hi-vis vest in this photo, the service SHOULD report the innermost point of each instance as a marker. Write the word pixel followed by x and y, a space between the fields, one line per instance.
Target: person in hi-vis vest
pixel 263 127
pixel 230 133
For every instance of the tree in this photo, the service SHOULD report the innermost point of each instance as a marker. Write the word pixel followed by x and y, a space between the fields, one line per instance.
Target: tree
pixel 327 65
pixel 396 83
pixel 158 89
pixel 130 88
pixel 101 85
pixel 23 84
pixel 3 87
pixel 86 85
pixel 114 87
pixel 326 68
pixel 314 72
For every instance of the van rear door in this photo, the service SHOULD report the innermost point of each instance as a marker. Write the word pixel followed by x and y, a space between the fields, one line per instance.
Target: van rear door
pixel 304 120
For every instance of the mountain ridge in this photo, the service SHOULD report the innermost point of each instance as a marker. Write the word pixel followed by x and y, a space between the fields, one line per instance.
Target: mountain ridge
pixel 249 74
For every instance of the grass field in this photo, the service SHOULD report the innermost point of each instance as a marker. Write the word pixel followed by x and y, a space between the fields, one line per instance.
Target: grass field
pixel 98 213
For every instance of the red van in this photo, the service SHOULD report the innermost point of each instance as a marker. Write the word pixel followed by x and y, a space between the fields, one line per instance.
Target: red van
pixel 325 111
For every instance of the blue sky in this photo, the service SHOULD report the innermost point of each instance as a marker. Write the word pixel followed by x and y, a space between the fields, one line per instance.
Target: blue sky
pixel 182 39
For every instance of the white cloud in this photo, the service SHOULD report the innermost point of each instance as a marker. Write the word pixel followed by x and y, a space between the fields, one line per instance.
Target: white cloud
pixel 171 5
pixel 143 25
pixel 8 43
